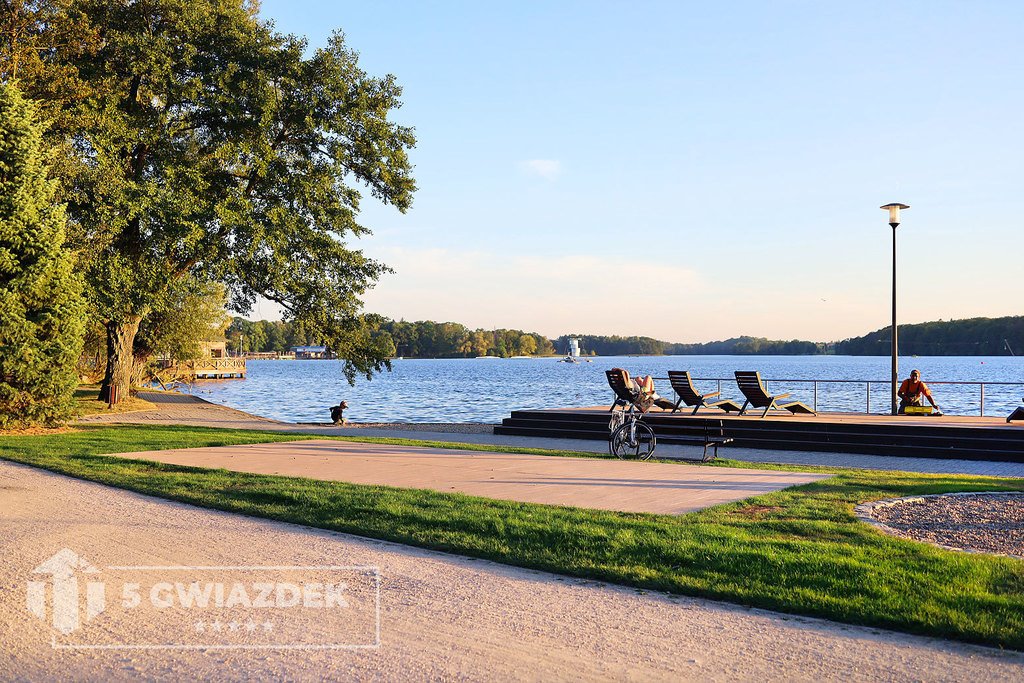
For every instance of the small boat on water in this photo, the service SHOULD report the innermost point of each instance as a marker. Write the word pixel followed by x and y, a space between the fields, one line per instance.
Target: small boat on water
pixel 573 355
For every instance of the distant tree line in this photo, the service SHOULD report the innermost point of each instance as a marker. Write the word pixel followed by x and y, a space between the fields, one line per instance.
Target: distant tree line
pixel 970 337
pixel 626 346
pixel 265 336
pixel 429 339
pixel 591 345
pixel 420 339
pixel 750 346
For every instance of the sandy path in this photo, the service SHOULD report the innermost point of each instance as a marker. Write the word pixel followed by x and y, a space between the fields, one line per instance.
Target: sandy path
pixel 441 616
pixel 660 488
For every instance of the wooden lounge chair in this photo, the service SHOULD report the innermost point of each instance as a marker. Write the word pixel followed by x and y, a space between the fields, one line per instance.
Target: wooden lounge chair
pixel 626 393
pixel 683 386
pixel 753 390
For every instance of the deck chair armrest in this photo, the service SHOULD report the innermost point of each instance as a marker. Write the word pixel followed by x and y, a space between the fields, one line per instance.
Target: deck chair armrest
pixel 712 394
pixel 785 395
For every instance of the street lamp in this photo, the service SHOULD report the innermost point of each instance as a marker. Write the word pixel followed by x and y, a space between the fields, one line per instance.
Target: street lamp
pixel 894 221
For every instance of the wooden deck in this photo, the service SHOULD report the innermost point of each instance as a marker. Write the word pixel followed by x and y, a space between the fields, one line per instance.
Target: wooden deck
pixel 948 436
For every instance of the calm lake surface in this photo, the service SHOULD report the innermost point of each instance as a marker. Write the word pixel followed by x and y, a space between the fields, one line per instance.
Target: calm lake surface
pixel 488 390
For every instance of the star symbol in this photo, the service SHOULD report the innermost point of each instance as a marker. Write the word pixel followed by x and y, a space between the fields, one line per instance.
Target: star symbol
pixel 268 626
pixel 234 625
pixel 251 626
pixel 200 627
pixel 217 626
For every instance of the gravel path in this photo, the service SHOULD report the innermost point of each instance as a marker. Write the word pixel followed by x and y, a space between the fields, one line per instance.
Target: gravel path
pixel 441 618
pixel 989 523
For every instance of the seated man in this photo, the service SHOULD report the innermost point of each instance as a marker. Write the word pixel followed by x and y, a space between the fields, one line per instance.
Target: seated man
pixel 912 391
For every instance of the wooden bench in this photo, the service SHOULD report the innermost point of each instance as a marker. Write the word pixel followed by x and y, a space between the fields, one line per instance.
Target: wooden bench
pixel 712 438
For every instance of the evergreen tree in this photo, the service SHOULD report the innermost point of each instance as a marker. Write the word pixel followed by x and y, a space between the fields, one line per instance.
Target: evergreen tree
pixel 41 311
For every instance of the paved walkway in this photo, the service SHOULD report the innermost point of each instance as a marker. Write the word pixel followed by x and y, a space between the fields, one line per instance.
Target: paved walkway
pixel 441 617
pixel 660 488
pixel 189 410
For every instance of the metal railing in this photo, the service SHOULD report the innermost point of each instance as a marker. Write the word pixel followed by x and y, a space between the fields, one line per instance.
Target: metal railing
pixel 865 382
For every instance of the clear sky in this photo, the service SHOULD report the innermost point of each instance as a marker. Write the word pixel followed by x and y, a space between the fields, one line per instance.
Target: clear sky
pixel 693 170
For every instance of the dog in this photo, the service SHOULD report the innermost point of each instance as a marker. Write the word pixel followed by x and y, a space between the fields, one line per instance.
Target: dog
pixel 338 413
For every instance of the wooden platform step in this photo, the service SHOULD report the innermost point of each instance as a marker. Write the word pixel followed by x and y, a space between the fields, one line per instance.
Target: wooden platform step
pixel 917 437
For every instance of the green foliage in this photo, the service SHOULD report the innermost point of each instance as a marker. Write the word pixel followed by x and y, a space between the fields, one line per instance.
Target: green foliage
pixel 192 313
pixel 41 309
pixel 646 346
pixel 744 346
pixel 421 339
pixel 800 550
pixel 210 148
pixel 428 339
pixel 970 337
pixel 613 345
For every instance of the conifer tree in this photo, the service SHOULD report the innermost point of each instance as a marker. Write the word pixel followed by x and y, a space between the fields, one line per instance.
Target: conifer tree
pixel 41 312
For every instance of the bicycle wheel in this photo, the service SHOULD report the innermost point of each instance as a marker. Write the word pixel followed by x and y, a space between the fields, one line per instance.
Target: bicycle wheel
pixel 633 440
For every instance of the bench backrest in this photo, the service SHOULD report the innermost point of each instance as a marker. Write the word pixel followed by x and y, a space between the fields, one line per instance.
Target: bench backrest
pixel 683 386
pixel 749 382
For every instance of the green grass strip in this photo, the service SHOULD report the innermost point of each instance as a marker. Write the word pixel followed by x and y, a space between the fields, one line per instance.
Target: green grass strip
pixel 800 550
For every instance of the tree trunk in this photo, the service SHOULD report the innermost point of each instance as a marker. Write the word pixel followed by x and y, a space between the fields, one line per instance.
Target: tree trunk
pixel 120 357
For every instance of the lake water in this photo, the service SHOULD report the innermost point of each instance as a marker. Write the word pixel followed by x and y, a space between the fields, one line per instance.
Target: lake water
pixel 487 390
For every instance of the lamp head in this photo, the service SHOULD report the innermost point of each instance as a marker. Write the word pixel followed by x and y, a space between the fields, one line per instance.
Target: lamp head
pixel 894 212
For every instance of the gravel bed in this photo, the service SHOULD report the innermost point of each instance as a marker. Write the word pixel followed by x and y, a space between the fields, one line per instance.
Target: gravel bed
pixel 984 523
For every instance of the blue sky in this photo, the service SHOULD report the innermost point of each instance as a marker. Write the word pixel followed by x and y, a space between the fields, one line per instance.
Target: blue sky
pixel 695 171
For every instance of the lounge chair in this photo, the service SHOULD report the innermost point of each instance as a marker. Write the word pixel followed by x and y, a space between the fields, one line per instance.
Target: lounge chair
pixel 626 393
pixel 753 390
pixel 683 386
pixel 1017 414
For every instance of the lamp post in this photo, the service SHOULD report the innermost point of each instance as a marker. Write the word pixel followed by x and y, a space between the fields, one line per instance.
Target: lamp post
pixel 894 221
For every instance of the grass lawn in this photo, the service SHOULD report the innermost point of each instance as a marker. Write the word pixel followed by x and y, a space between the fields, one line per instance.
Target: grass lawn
pixel 800 550
pixel 86 403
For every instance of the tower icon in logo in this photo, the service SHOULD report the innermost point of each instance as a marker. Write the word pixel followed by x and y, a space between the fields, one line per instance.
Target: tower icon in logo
pixel 62 567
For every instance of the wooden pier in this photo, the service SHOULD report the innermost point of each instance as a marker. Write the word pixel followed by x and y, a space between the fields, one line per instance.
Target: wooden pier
pixel 206 368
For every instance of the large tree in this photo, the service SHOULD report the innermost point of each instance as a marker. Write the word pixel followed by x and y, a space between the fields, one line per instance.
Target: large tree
pixel 210 148
pixel 41 310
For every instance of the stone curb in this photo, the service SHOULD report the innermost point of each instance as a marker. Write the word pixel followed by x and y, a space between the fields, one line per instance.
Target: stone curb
pixel 865 511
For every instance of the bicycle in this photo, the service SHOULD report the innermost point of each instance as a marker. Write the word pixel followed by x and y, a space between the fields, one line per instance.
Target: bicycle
pixel 630 437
